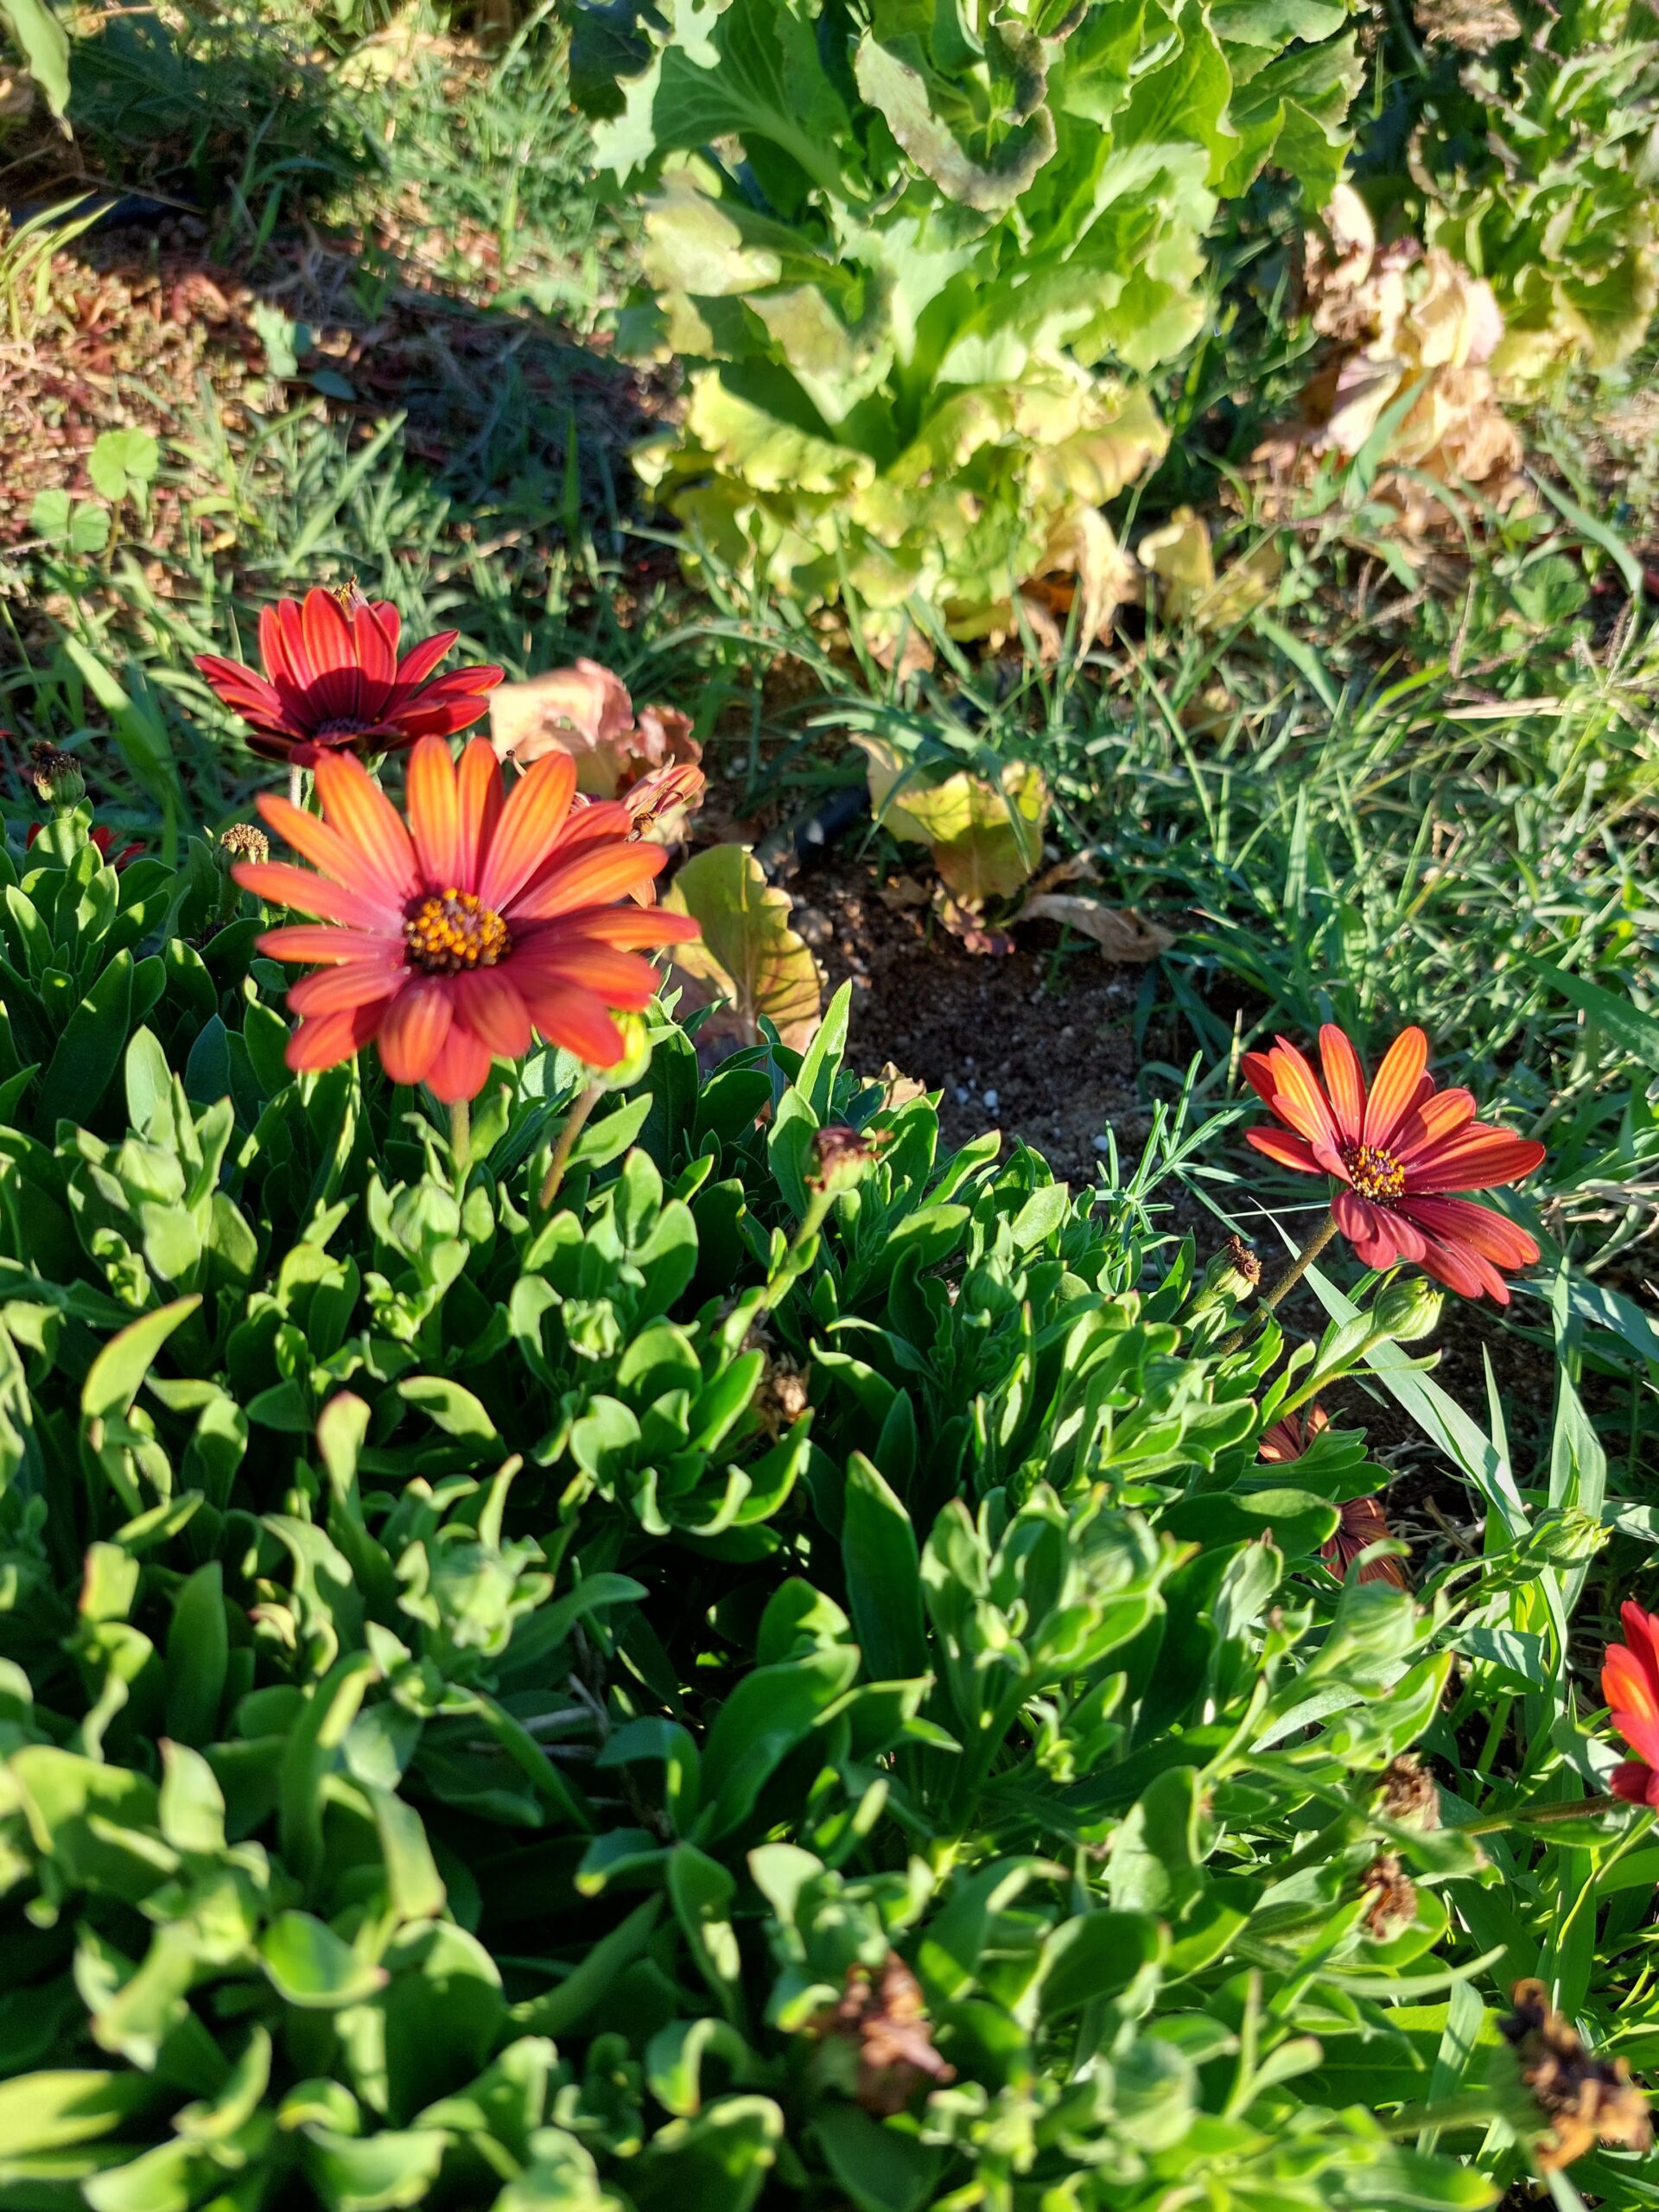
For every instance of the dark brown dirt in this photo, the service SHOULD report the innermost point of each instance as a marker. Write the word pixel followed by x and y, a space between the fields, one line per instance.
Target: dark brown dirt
pixel 1032 1042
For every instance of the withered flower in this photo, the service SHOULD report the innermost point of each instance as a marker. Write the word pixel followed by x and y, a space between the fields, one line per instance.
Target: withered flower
pixel 1391 1898
pixel 1411 1796
pixel 243 841
pixel 780 1400
pixel 1584 2099
pixel 55 775
pixel 843 1156
pixel 880 2021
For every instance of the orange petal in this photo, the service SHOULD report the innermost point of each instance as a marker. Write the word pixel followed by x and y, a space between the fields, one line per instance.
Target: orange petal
pixel 621 979
pixel 280 884
pixel 417 1023
pixel 627 927
pixel 324 845
pixel 363 814
pixel 530 821
pixel 1494 1236
pixel 328 1038
pixel 480 797
pixel 434 813
pixel 1395 1088
pixel 1477 1158
pixel 569 1016
pixel 1428 1124
pixel 335 990
pixel 1298 1099
pixel 593 879
pixel 323 941
pixel 1345 1081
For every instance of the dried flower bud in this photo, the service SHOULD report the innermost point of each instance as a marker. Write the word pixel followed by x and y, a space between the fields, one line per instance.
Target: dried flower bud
pixel 881 2024
pixel 1585 2099
pixel 243 841
pixel 1408 1309
pixel 844 1157
pixel 1411 1796
pixel 351 595
pixel 57 777
pixel 1391 1898
pixel 780 1400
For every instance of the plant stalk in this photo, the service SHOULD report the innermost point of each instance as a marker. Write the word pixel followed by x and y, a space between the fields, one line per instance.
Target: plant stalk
pixel 581 1106
pixel 460 1140
pixel 1292 1275
pixel 295 784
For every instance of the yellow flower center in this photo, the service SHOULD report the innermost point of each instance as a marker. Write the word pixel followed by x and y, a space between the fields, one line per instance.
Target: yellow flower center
pixel 449 930
pixel 1375 1174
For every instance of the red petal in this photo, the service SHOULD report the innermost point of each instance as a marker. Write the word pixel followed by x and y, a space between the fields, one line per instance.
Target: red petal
pixel 332 653
pixel 328 1038
pixel 1460 1269
pixel 1299 1100
pixel 351 984
pixel 628 926
pixel 1345 1081
pixel 1258 1071
pixel 1372 1232
pixel 1395 1090
pixel 418 663
pixel 1436 1118
pixel 1642 1634
pixel 461 1068
pixel 374 639
pixel 1479 1158
pixel 1459 1221
pixel 417 1023
pixel 1283 1442
pixel 1286 1147
pixel 569 1016
pixel 1636 1783
pixel 490 1004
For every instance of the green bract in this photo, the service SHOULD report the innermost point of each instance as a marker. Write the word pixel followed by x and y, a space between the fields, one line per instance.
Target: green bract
pixel 760 1688
pixel 896 244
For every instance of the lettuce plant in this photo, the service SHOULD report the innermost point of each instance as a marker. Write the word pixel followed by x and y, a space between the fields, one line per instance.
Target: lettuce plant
pixel 910 252
pixel 1537 164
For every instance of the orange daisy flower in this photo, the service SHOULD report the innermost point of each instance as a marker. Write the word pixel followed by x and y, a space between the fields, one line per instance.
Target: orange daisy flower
pixel 1363 1522
pixel 1630 1682
pixel 1397 1147
pixel 446 942
pixel 333 678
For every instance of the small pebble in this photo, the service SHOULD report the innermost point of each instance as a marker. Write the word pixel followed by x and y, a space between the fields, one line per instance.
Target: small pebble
pixel 990 1101
pixel 962 1093
pixel 1102 1144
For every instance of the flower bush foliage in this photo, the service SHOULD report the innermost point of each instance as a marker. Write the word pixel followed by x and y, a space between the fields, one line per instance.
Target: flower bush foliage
pixel 778 1679
pixel 925 232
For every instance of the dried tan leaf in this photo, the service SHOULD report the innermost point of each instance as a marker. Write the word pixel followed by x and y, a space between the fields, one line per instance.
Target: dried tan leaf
pixel 1123 935
pixel 748 953
pixel 986 839
pixel 580 711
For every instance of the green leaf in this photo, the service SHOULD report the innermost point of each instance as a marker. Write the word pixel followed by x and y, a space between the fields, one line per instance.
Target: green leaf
pixel 90 1049
pixel 198 1656
pixel 746 952
pixel 884 1581
pixel 309 1966
pixel 76 525
pixel 44 45
pixel 768 1713
pixel 122 462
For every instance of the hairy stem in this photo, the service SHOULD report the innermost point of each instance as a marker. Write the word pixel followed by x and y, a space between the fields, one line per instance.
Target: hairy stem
pixel 295 784
pixel 581 1106
pixel 1303 1260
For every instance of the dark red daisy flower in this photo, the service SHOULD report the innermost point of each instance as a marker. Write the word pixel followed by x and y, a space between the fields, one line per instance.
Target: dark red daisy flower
pixel 1363 1522
pixel 1630 1682
pixel 333 680
pixel 1398 1147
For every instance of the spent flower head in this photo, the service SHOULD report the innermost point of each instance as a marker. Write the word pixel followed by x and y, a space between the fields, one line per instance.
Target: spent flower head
pixel 56 776
pixel 844 1157
pixel 1584 2099
pixel 1398 1149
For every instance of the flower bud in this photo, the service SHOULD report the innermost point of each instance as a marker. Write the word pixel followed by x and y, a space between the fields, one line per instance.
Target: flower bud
pixel 1410 1796
pixel 1409 1308
pixel 57 777
pixel 242 841
pixel 844 1157
pixel 636 1053
pixel 1390 1899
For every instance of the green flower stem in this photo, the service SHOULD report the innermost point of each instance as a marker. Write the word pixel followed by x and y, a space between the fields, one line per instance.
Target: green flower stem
pixel 1549 1813
pixel 460 1140
pixel 581 1106
pixel 803 1247
pixel 1303 1260
pixel 295 784
pixel 1292 1275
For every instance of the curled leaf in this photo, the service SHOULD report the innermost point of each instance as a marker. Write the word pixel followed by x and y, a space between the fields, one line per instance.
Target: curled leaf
pixel 748 953
pixel 986 838
pixel 585 711
pixel 1121 933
